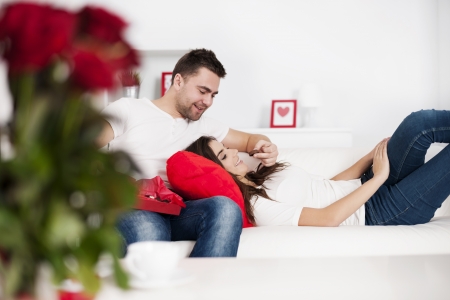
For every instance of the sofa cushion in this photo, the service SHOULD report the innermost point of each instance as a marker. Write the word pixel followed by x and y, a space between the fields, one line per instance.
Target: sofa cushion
pixel 432 238
pixel 288 241
pixel 195 177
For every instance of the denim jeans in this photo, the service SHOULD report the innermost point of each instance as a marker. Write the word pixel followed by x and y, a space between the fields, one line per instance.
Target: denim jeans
pixel 214 223
pixel 414 190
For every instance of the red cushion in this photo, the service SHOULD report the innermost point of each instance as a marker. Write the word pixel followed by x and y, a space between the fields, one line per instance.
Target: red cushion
pixel 195 177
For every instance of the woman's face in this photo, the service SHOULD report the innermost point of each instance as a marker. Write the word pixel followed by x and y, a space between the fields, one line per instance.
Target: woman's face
pixel 229 158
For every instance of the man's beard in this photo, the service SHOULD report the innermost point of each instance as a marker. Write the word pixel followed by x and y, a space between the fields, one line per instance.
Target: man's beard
pixel 186 111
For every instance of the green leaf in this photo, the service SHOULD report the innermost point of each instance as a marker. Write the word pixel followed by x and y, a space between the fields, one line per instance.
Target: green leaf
pixel 12 235
pixel 60 271
pixel 88 277
pixel 19 274
pixel 64 226
pixel 120 275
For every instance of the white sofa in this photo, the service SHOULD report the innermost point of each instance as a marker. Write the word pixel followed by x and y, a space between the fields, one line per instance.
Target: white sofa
pixel 290 241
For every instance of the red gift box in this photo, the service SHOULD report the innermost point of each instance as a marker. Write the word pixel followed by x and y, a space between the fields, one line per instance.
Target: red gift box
pixel 155 196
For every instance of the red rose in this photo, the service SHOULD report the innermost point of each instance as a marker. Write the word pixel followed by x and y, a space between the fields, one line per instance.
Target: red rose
pixel 119 56
pixel 127 60
pixel 100 32
pixel 101 24
pixel 90 72
pixel 33 34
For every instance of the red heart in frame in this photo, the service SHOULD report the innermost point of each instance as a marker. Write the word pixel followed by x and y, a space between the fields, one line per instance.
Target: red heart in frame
pixel 283 111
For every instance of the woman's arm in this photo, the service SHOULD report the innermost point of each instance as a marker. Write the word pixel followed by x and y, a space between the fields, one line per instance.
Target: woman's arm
pixel 358 168
pixel 339 211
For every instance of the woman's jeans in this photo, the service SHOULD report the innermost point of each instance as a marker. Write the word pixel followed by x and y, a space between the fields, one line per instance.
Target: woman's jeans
pixel 414 189
pixel 215 223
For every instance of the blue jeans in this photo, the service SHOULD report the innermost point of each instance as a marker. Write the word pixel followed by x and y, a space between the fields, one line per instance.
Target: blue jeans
pixel 414 190
pixel 215 223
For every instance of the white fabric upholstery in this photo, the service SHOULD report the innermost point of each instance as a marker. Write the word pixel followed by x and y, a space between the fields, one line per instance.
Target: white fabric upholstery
pixel 290 241
pixel 287 241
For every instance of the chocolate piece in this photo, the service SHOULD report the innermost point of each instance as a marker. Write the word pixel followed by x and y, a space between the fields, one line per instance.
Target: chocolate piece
pixel 253 152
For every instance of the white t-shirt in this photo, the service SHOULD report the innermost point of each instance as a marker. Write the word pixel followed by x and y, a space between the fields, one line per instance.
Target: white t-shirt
pixel 150 135
pixel 293 188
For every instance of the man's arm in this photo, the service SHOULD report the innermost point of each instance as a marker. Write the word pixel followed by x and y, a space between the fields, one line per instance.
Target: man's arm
pixel 247 142
pixel 105 136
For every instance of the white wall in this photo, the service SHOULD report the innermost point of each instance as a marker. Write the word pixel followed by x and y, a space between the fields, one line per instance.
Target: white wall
pixel 444 53
pixel 376 61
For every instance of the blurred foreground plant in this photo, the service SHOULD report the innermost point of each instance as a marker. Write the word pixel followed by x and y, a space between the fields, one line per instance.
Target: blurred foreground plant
pixel 59 195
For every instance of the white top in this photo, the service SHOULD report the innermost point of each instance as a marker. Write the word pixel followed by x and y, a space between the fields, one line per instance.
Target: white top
pixel 293 188
pixel 150 135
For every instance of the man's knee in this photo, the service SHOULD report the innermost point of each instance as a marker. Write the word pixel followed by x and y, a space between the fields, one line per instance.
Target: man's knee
pixel 141 225
pixel 224 212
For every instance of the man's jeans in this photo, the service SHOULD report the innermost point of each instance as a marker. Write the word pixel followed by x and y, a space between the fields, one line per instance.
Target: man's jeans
pixel 414 190
pixel 215 223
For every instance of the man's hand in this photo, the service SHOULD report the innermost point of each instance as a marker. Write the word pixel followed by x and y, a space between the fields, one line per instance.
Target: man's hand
pixel 246 142
pixel 268 152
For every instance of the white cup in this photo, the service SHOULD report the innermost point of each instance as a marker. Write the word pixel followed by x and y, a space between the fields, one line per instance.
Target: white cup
pixel 152 259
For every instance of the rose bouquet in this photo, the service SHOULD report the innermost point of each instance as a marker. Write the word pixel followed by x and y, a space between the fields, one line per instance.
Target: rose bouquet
pixel 59 195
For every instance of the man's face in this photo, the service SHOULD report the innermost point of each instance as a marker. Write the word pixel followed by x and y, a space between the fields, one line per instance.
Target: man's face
pixel 197 93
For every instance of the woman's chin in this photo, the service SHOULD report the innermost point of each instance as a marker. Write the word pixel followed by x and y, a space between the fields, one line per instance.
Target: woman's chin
pixel 243 169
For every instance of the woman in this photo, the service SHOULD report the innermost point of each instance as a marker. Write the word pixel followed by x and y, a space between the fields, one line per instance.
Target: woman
pixel 391 185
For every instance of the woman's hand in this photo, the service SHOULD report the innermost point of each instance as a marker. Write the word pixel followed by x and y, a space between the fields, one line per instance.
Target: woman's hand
pixel 381 161
pixel 372 153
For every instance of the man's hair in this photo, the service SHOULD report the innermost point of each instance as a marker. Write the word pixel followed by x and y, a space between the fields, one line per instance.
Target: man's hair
pixel 191 62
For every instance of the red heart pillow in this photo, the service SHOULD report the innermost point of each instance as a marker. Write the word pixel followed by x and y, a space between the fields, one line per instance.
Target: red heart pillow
pixel 195 177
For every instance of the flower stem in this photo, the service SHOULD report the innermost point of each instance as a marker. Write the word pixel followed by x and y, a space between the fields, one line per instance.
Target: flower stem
pixel 22 89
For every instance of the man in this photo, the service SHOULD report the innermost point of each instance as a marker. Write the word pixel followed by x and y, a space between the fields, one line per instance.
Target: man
pixel 151 131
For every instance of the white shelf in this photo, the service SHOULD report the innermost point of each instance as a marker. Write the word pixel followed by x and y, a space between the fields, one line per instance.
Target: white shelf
pixel 153 63
pixel 160 52
pixel 306 137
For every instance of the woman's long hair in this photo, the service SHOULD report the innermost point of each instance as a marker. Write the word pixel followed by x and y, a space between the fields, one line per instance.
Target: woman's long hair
pixel 258 177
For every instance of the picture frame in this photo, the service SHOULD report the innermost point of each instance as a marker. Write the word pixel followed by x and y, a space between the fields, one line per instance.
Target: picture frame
pixel 283 114
pixel 166 82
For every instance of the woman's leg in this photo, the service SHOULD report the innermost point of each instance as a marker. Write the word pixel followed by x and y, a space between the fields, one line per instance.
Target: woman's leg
pixel 409 143
pixel 414 199
pixel 414 190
